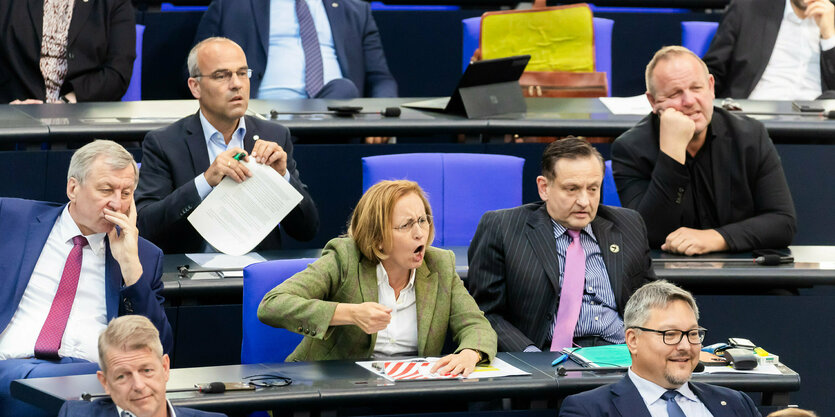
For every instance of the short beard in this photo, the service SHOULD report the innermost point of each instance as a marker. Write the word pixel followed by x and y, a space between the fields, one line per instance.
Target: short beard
pixel 800 4
pixel 676 381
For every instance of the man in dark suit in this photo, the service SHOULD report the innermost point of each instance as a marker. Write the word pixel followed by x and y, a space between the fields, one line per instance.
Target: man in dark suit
pixel 68 268
pixel 98 47
pixel 519 259
pixel 664 340
pixel 183 162
pixel 134 372
pixel 349 43
pixel 704 179
pixel 774 50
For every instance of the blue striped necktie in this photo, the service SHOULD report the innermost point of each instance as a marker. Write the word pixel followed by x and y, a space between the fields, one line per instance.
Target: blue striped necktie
pixel 673 410
pixel 314 78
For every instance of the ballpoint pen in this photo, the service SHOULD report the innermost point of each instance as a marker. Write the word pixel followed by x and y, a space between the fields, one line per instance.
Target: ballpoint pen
pixel 559 359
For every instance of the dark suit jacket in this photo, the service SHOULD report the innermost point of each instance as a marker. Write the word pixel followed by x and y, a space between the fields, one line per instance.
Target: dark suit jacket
pixel 308 300
pixel 743 44
pixel 622 399
pixel 356 39
pixel 26 225
pixel 101 47
pixel 173 156
pixel 514 272
pixel 752 197
pixel 106 408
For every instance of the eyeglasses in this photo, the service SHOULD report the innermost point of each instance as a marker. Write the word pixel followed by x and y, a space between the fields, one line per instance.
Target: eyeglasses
pixel 673 337
pixel 267 380
pixel 226 75
pixel 423 222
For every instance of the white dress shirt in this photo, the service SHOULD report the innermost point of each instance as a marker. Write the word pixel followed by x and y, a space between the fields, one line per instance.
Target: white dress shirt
pixel 793 71
pixel 400 338
pixel 88 316
pixel 285 72
pixel 657 406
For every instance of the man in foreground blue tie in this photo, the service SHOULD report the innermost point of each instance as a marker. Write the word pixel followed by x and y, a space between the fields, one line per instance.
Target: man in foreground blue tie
pixel 664 340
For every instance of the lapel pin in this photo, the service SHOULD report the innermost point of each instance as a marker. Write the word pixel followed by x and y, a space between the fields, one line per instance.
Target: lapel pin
pixel 614 248
pixel 256 137
pixel 723 403
pixel 334 4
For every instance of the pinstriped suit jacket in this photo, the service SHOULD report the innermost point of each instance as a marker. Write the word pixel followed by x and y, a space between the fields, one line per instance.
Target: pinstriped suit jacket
pixel 514 271
pixel 306 302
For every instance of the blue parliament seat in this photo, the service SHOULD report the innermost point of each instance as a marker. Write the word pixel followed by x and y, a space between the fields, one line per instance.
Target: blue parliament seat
pixel 460 186
pixel 696 36
pixel 134 92
pixel 609 192
pixel 171 7
pixel 262 343
pixel 471 34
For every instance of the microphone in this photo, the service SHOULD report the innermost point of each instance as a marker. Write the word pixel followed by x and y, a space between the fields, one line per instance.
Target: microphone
pixel 773 259
pixel 561 371
pixel 342 111
pixel 211 388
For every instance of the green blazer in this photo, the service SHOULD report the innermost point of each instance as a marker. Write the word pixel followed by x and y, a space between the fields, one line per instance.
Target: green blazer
pixel 305 304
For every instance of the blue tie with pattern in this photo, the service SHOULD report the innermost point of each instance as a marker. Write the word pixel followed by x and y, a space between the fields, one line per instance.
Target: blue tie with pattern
pixel 314 78
pixel 673 410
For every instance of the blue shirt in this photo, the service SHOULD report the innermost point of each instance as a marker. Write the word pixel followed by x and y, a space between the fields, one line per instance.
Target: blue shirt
pixel 598 313
pixel 284 75
pixel 216 145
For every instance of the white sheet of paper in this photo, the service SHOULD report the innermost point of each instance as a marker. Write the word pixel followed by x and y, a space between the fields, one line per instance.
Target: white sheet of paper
pixel 637 105
pixel 766 369
pixel 234 218
pixel 222 260
pixel 497 368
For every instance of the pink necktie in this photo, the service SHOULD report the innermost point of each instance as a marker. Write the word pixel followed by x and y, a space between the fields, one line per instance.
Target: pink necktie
pixel 571 295
pixel 46 347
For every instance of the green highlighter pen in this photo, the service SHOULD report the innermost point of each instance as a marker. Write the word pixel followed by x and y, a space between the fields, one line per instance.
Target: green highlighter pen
pixel 238 156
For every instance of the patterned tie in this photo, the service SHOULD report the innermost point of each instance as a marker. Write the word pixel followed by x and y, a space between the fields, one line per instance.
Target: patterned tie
pixel 571 295
pixel 673 410
pixel 46 347
pixel 314 78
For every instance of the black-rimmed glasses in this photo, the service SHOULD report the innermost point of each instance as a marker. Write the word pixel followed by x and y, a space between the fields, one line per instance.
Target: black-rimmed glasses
pixel 226 75
pixel 673 337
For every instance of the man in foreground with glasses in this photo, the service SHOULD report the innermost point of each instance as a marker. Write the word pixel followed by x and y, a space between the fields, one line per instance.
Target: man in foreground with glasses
pixel 134 372
pixel 664 340
pixel 183 162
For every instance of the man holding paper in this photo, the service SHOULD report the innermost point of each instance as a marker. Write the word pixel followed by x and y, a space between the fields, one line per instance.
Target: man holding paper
pixel 182 163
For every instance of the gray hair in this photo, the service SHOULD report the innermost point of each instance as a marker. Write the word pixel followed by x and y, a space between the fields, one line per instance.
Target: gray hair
pixel 657 294
pixel 193 69
pixel 115 156
pixel 128 333
pixel 666 53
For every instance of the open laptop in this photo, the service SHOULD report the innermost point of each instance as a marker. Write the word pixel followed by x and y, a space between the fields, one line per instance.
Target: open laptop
pixel 486 88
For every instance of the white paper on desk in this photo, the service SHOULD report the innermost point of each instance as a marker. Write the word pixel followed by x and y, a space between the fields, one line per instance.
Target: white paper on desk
pixel 638 105
pixel 497 368
pixel 222 260
pixel 234 218
pixel 765 369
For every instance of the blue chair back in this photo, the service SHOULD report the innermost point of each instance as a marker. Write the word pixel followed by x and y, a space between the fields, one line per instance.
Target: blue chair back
pixel 134 92
pixel 471 34
pixel 460 186
pixel 696 36
pixel 378 5
pixel 609 195
pixel 170 7
pixel 262 343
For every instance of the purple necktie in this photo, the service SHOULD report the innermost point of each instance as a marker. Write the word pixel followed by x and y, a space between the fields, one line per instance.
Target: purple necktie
pixel 46 347
pixel 571 295
pixel 314 78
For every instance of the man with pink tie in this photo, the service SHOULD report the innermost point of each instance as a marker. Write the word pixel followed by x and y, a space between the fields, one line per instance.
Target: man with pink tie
pixel 67 269
pixel 557 273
